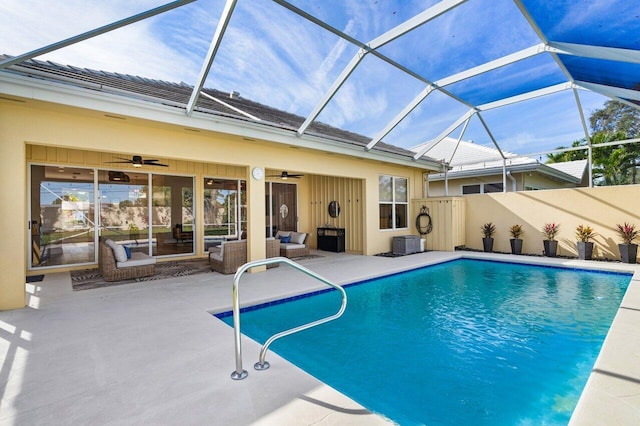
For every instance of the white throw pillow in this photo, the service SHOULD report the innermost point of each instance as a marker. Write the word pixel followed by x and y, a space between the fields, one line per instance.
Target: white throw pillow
pixel 109 243
pixel 298 238
pixel 119 253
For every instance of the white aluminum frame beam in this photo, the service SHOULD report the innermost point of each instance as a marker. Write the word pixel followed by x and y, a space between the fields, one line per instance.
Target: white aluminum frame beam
pixel 337 84
pixel 610 91
pixel 586 135
pixel 595 52
pixel 409 25
pixel 95 32
pixel 492 65
pixel 406 111
pixel 480 69
pixel 525 96
pixel 446 133
pixel 462 132
pixel 227 11
pixel 495 143
pixel 231 107
pixel 413 23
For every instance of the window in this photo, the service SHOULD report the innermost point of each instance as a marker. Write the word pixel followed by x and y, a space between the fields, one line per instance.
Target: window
pixel 394 206
pixel 470 189
pixel 492 187
pixel 482 188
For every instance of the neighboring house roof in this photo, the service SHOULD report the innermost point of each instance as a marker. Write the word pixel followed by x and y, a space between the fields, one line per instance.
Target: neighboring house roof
pixel 470 160
pixel 575 168
pixel 467 152
pixel 177 95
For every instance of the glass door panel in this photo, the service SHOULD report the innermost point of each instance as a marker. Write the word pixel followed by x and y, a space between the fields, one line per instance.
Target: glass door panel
pixel 62 212
pixel 225 209
pixel 124 209
pixel 172 215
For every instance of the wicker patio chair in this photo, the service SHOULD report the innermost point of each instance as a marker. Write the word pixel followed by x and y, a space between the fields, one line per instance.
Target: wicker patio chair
pixel 111 272
pixel 227 260
pixel 233 256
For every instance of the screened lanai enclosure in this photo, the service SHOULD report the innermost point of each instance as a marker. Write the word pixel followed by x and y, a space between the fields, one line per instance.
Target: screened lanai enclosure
pixel 521 76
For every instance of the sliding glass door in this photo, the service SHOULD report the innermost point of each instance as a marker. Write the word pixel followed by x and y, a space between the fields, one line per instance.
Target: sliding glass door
pixel 62 227
pixel 225 210
pixel 124 208
pixel 65 208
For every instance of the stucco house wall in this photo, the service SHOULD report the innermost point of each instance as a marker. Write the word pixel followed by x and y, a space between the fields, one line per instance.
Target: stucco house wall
pixel 36 132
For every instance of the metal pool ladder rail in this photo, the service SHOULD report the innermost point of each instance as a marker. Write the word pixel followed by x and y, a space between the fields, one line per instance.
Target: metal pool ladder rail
pixel 239 373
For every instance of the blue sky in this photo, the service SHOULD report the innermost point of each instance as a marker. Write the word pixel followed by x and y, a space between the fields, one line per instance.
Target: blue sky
pixel 275 57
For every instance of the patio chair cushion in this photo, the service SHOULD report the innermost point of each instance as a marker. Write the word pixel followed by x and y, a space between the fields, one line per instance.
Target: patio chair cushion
pixel 298 237
pixel 137 259
pixel 292 246
pixel 119 252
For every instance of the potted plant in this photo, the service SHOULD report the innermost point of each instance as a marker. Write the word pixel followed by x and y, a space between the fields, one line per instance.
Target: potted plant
pixel 628 250
pixel 516 243
pixel 585 246
pixel 488 229
pixel 550 244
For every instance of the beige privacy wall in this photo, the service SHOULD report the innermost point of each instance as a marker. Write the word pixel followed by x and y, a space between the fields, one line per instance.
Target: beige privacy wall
pixel 601 208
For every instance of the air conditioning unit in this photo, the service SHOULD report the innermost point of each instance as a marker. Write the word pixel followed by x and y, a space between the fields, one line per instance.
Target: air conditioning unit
pixel 406 244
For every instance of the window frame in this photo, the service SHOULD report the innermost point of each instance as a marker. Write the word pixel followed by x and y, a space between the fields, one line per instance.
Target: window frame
pixel 393 203
pixel 482 188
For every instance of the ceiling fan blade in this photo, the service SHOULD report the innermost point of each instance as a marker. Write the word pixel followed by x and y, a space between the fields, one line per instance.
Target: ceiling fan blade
pixel 154 163
pixel 126 161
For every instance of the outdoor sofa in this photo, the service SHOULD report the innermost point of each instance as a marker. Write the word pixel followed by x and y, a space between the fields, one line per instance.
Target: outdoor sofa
pixel 293 244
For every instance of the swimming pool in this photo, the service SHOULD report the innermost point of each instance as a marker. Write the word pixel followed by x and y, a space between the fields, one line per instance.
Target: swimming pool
pixel 465 342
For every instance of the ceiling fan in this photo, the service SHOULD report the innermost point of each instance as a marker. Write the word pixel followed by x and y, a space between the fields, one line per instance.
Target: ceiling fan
pixel 286 175
pixel 138 161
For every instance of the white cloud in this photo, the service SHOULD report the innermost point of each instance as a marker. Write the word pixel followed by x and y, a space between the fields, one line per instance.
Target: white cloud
pixel 277 58
pixel 135 49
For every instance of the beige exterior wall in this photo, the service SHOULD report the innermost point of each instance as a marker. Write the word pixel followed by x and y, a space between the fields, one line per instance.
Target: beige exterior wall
pixel 536 180
pixel 601 208
pixel 448 218
pixel 42 133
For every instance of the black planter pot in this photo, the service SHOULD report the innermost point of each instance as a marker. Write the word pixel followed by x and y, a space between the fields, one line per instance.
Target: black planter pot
pixel 628 252
pixel 550 248
pixel 585 250
pixel 487 243
pixel 516 245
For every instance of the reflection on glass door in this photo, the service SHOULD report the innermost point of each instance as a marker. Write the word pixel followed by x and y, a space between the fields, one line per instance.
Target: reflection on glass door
pixel 62 211
pixel 124 209
pixel 172 214
pixel 225 210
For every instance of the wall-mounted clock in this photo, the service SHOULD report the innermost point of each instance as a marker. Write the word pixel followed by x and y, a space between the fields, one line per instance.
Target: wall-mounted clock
pixel 257 173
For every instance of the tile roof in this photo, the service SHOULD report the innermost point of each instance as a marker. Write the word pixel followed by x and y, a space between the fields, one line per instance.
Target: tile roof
pixel 229 104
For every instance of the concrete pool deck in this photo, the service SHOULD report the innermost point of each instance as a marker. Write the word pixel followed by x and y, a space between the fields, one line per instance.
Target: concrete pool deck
pixel 151 352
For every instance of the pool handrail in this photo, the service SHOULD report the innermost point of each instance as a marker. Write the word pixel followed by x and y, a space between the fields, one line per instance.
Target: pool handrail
pixel 239 373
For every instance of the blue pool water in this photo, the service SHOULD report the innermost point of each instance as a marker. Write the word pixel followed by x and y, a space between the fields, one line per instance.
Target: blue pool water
pixel 465 342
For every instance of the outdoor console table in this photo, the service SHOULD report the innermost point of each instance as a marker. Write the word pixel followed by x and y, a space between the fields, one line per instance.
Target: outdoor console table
pixel 331 239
